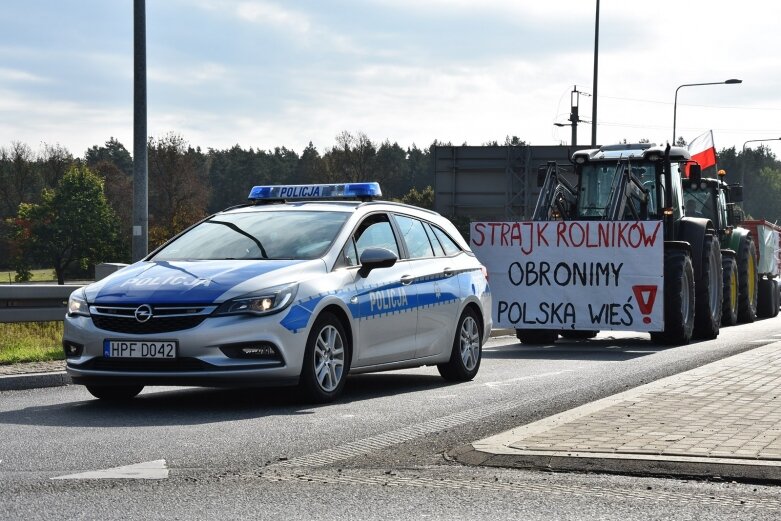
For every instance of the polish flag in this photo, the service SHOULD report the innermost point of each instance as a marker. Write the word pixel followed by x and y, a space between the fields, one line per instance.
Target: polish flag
pixel 703 150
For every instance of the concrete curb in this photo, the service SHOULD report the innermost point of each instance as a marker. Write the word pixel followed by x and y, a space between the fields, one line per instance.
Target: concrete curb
pixel 504 449
pixel 639 465
pixel 19 382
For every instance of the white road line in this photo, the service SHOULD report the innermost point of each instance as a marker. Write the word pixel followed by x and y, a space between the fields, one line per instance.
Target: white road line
pixel 522 378
pixel 148 470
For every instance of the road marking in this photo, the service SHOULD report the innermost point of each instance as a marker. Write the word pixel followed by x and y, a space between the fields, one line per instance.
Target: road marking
pixel 148 470
pixel 389 439
pixel 522 378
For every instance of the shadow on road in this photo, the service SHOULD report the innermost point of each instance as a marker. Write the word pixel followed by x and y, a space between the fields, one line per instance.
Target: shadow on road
pixel 604 349
pixel 197 406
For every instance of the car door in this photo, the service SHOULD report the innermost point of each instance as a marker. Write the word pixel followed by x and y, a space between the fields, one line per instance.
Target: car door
pixel 436 285
pixel 385 301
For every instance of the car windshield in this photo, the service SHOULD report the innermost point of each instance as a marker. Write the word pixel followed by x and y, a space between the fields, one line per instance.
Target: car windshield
pixel 257 235
pixel 596 187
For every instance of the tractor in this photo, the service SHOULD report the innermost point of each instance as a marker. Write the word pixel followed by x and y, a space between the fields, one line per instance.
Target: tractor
pixel 642 182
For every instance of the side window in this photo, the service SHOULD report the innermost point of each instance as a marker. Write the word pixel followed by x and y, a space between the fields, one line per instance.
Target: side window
pixel 349 255
pixel 375 232
pixel 448 244
pixel 438 251
pixel 415 237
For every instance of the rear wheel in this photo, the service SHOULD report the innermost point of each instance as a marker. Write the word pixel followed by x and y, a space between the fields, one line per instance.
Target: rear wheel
pixel 747 280
pixel 536 336
pixel 115 392
pixel 709 300
pixel 678 299
pixel 467 350
pixel 326 361
pixel 766 299
pixel 777 297
pixel 729 309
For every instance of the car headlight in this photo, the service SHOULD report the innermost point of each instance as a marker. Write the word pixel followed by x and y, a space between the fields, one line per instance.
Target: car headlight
pixel 77 304
pixel 266 302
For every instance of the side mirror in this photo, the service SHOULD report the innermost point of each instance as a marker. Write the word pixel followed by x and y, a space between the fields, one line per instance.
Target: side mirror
pixel 736 194
pixel 373 258
pixel 542 170
pixel 695 173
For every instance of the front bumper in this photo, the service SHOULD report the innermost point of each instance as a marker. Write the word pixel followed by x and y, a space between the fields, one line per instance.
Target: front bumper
pixel 199 361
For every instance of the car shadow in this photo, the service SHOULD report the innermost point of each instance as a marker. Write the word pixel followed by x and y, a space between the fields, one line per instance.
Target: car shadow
pixel 603 349
pixel 198 406
pixel 177 406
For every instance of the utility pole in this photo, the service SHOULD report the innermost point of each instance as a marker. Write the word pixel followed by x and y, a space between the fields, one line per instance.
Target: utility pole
pixel 140 241
pixel 594 90
pixel 573 115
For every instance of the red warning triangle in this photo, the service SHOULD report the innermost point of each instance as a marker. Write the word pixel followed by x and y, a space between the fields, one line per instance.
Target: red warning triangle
pixel 645 295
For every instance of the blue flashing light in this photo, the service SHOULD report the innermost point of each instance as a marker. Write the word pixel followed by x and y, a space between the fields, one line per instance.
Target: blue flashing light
pixel 316 191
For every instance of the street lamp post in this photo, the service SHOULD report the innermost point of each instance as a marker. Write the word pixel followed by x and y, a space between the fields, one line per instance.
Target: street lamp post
pixel 675 105
pixel 743 155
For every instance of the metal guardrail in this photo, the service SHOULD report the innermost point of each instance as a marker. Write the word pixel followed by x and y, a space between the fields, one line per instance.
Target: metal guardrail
pixel 34 302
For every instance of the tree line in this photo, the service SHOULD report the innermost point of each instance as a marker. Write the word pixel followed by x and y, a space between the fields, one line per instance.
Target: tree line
pixel 73 212
pixel 67 212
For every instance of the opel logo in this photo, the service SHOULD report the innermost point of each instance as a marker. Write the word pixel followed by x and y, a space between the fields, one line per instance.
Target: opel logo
pixel 143 313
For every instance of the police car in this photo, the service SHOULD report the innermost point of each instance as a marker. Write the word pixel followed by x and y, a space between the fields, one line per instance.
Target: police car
pixel 298 287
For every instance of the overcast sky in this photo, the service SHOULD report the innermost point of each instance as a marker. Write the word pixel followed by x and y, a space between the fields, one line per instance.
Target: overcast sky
pixel 266 73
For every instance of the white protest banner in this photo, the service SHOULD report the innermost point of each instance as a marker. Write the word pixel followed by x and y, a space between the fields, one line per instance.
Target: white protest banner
pixel 582 275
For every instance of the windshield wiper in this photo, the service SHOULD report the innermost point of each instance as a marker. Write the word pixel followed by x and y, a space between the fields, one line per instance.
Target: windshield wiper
pixel 245 234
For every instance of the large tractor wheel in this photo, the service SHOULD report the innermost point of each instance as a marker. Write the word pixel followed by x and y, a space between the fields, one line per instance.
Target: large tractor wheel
pixel 678 299
pixel 536 336
pixel 708 302
pixel 766 300
pixel 747 280
pixel 729 309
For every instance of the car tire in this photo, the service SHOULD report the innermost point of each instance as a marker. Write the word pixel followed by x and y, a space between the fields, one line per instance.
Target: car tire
pixel 709 299
pixel 729 312
pixel 748 283
pixel 536 336
pixel 467 350
pixel 678 299
pixel 326 360
pixel 115 393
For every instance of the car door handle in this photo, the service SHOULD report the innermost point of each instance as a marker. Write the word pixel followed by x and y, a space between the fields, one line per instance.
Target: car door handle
pixel 448 272
pixel 407 279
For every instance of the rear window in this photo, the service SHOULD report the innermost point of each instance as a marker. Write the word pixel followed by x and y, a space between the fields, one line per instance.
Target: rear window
pixel 257 235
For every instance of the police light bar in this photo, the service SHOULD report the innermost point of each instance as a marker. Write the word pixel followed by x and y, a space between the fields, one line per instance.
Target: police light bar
pixel 319 191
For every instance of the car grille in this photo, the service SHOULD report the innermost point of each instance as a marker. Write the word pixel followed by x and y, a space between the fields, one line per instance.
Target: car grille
pixel 121 319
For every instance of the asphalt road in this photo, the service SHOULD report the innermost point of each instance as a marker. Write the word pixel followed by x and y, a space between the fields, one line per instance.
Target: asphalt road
pixel 376 454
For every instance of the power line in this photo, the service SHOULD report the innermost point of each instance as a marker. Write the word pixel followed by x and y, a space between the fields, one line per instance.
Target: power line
pixel 657 102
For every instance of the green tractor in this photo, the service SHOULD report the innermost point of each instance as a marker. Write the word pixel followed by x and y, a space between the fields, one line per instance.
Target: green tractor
pixel 715 200
pixel 643 182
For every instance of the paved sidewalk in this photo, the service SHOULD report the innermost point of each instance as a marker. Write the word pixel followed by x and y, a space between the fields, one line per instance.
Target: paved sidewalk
pixel 722 419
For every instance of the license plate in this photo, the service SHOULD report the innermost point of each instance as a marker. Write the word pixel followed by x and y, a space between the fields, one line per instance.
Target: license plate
pixel 139 349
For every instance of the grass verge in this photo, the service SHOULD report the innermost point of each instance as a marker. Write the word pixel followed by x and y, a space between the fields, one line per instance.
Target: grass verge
pixel 30 342
pixel 7 277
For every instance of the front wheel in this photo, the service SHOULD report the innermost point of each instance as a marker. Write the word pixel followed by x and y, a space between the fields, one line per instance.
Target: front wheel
pixel 467 350
pixel 326 361
pixel 748 282
pixel 729 309
pixel 709 300
pixel 678 299
pixel 115 393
